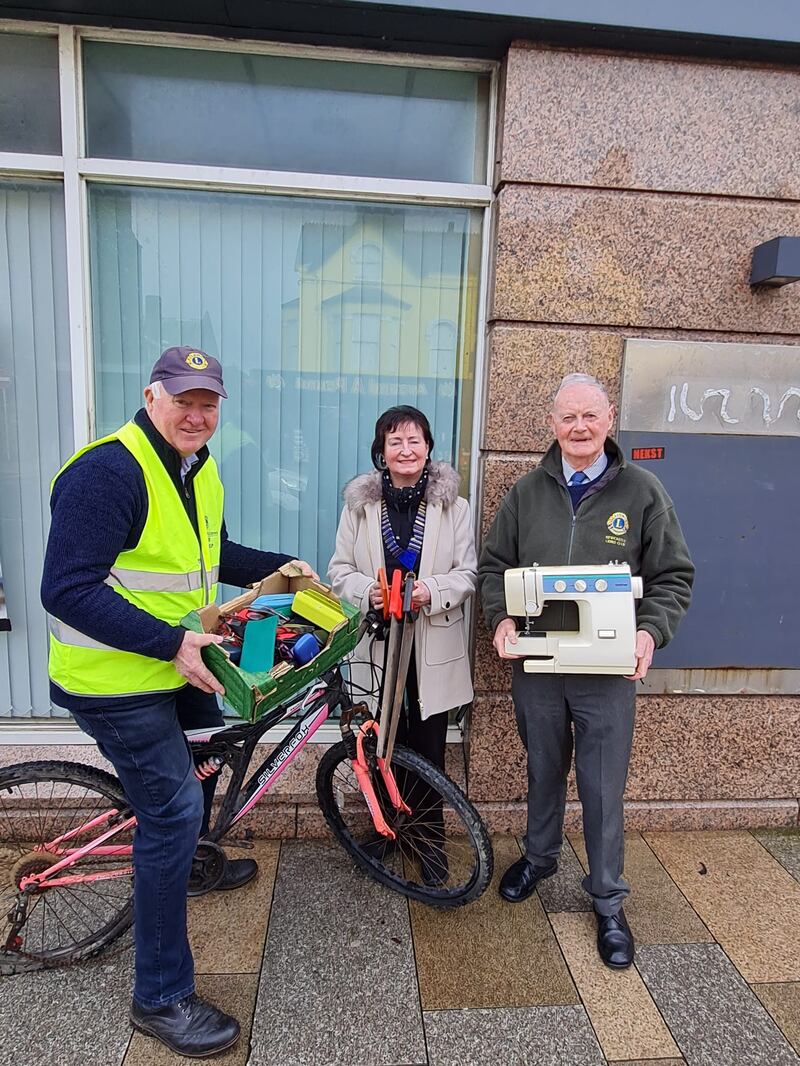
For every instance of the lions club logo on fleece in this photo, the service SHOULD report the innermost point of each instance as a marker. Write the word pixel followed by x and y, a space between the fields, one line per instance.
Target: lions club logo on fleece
pixel 618 523
pixel 617 526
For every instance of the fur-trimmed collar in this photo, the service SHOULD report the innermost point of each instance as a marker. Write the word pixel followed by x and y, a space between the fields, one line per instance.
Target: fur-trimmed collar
pixel 442 488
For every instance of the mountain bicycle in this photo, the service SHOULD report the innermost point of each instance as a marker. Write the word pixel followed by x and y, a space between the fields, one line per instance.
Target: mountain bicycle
pixel 66 829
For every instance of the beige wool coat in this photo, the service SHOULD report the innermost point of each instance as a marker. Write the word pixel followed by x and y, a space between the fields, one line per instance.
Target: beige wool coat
pixel 448 566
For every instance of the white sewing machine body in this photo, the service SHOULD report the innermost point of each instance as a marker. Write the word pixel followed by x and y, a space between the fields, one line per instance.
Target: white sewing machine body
pixel 605 641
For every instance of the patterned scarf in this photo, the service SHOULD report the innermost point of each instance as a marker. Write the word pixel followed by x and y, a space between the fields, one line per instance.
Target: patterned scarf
pixel 404 499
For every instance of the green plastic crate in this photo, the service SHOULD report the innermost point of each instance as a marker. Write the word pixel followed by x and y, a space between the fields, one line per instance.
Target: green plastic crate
pixel 251 695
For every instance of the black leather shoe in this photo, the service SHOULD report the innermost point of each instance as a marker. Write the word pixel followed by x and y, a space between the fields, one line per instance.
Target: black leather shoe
pixel 237 873
pixel 520 879
pixel 614 940
pixel 190 1027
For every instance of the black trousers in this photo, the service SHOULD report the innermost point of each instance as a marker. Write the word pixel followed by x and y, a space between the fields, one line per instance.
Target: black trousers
pixel 428 738
pixel 599 710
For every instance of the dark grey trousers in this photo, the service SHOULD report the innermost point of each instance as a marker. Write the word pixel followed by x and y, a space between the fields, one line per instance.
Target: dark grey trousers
pixel 600 709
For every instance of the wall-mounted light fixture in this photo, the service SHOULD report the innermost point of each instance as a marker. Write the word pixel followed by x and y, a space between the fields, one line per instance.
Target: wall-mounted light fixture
pixel 777 262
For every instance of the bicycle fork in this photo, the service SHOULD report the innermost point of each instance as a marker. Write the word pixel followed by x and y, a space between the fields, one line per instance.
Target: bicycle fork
pixel 364 778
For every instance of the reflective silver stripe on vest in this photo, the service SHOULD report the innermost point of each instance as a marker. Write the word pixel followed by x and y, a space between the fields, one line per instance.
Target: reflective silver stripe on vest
pixel 67 635
pixel 148 581
pixel 214 575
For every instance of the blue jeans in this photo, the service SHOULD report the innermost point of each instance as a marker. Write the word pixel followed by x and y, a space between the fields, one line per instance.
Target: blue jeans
pixel 142 737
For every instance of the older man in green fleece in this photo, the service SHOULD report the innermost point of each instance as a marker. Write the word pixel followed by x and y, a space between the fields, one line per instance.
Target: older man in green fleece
pixel 583 504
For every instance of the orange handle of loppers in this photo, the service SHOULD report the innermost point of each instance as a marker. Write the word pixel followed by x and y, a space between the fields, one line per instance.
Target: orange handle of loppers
pixel 384 587
pixel 396 596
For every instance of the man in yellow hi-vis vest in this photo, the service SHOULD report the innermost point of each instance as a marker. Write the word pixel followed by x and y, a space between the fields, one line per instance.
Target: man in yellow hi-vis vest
pixel 137 540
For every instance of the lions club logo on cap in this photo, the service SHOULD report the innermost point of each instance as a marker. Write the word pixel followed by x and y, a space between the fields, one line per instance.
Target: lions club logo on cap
pixel 618 523
pixel 196 360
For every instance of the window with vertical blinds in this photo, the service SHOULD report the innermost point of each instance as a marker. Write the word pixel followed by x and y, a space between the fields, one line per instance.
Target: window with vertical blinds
pixel 323 314
pixel 35 423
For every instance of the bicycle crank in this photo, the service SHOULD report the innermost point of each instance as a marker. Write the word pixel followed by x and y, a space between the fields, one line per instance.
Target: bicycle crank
pixel 208 868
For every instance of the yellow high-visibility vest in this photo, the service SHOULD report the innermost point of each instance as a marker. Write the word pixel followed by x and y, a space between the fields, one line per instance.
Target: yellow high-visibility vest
pixel 169 573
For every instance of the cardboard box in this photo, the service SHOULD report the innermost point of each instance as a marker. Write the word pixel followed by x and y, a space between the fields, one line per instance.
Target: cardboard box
pixel 251 695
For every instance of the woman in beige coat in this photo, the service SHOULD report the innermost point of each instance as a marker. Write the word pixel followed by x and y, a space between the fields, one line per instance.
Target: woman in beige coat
pixel 407 515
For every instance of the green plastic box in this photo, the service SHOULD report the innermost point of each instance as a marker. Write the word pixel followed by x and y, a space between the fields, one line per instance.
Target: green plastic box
pixel 251 695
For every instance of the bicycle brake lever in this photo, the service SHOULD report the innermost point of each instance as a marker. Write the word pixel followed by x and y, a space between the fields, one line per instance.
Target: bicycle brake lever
pixel 374 624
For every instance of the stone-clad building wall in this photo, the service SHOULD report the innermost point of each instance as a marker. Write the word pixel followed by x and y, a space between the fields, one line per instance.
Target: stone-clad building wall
pixel 631 191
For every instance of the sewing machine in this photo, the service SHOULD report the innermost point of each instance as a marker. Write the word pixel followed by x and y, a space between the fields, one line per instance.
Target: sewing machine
pixel 605 640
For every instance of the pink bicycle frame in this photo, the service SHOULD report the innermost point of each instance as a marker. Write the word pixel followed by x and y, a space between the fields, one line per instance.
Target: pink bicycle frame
pixel 69 856
pixel 45 879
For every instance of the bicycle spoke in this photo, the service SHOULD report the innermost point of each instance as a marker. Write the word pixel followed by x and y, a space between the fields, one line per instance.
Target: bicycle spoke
pixel 11 839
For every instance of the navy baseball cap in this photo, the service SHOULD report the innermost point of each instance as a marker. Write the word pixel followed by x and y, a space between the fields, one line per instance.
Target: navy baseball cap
pixel 181 369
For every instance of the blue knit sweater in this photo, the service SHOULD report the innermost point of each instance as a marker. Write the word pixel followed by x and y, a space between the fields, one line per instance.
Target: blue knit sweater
pixel 99 508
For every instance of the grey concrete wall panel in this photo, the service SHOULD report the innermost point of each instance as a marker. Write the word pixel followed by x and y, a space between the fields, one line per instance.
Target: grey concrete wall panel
pixel 769 31
pixel 731 18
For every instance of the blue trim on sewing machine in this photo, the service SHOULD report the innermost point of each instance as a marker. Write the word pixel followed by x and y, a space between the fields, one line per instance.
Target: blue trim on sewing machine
pixel 615 584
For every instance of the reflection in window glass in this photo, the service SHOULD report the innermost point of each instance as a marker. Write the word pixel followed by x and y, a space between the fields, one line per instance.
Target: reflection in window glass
pixel 30 112
pixel 35 423
pixel 182 105
pixel 314 344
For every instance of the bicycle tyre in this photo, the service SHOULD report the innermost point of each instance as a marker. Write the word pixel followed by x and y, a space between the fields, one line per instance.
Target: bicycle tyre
pixel 352 826
pixel 37 801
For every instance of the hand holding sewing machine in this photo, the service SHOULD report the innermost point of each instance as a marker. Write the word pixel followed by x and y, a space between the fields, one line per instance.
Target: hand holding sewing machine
pixel 645 646
pixel 506 631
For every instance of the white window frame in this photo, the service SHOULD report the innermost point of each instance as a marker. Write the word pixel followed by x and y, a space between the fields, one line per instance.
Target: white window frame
pixel 76 170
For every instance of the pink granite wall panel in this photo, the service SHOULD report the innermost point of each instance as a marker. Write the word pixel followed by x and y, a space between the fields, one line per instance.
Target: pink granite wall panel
pixel 643 122
pixel 526 365
pixel 585 256
pixel 685 749
pixel 499 473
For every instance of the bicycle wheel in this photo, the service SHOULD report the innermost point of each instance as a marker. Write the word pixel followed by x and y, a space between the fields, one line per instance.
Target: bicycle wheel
pixel 441 856
pixel 40 802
